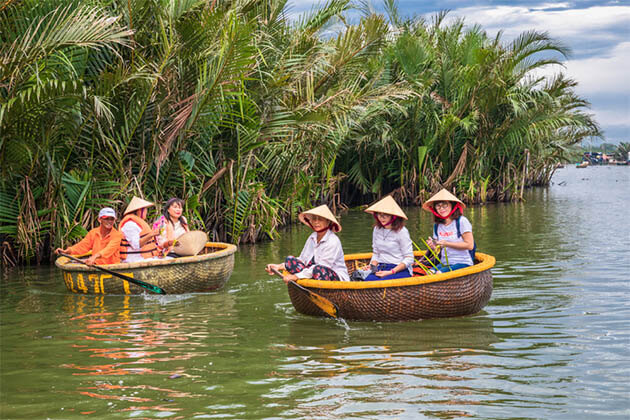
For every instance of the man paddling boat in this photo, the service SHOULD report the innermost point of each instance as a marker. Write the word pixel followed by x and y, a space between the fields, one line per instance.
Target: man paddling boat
pixel 102 241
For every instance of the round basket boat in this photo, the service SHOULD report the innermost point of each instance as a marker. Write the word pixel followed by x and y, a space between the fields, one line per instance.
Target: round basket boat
pixel 205 272
pixel 461 292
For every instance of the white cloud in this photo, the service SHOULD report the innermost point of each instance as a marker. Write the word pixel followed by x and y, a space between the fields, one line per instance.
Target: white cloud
pixel 564 24
pixel 545 6
pixel 603 74
pixel 605 82
pixel 599 75
pixel 617 117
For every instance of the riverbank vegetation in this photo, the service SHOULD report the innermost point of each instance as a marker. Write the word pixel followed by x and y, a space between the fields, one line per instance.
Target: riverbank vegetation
pixel 251 116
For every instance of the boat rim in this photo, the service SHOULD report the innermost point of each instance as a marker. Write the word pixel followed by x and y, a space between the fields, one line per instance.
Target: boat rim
pixel 486 262
pixel 228 249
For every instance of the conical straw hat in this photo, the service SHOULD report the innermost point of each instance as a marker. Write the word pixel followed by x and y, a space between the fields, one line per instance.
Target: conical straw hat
pixel 321 211
pixel 443 195
pixel 388 206
pixel 190 243
pixel 137 203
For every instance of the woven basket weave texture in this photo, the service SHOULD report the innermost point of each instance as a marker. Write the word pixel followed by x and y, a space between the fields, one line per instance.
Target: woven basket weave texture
pixel 201 273
pixel 458 296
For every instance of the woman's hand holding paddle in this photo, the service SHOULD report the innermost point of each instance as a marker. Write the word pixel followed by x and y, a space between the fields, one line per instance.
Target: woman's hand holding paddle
pixel 289 277
pixel 272 269
pixel 92 260
pixel 269 268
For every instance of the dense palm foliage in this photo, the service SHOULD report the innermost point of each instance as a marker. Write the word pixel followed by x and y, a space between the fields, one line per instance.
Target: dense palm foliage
pixel 622 152
pixel 251 117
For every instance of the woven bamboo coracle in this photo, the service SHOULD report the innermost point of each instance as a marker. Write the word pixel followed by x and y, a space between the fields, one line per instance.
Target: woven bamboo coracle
pixel 456 293
pixel 205 272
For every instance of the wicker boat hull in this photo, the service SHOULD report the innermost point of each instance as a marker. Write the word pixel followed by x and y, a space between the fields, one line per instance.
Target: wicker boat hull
pixel 458 293
pixel 205 272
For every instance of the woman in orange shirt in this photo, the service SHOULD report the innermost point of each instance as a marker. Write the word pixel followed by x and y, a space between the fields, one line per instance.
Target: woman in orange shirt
pixel 103 241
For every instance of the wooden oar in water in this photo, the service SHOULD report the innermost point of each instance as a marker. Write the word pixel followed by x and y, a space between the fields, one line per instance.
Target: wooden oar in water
pixel 322 303
pixel 154 289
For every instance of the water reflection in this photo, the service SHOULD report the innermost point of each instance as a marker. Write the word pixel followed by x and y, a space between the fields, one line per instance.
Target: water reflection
pixel 552 342
pixel 117 342
pixel 384 368
pixel 466 332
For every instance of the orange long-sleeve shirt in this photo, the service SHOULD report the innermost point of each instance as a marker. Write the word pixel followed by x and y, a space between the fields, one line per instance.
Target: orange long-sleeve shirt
pixel 108 247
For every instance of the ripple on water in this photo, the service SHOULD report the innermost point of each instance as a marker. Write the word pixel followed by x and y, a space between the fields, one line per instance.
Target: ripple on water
pixel 552 343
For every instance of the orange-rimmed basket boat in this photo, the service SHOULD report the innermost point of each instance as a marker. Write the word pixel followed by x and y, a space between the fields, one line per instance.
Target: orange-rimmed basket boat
pixel 457 293
pixel 205 272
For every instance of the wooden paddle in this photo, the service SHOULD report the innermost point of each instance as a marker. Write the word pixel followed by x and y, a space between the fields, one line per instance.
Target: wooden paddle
pixel 324 304
pixel 154 289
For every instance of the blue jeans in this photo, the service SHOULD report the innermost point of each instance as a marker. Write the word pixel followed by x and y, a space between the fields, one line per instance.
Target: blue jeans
pixel 386 267
pixel 452 267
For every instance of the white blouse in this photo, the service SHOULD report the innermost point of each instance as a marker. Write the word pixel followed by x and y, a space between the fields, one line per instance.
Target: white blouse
pixel 392 247
pixel 328 252
pixel 131 231
pixel 178 229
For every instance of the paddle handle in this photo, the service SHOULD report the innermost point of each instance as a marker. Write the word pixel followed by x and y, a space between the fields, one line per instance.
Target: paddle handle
pixel 151 287
pixel 277 273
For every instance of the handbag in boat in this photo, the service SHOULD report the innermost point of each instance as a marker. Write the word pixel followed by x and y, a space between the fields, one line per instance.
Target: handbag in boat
pixel 360 275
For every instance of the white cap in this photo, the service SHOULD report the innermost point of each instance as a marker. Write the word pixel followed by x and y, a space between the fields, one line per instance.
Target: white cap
pixel 107 212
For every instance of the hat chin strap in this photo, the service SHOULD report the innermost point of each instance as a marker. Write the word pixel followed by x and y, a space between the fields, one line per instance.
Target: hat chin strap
pixel 321 230
pixel 455 207
pixel 386 224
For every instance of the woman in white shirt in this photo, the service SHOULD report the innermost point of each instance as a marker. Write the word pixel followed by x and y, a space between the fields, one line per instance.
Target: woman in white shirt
pixel 392 250
pixel 138 242
pixel 322 257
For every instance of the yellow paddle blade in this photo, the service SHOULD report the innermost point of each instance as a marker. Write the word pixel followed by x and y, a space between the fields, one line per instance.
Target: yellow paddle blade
pixel 323 303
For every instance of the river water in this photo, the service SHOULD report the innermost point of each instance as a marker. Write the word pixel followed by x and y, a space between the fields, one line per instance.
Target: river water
pixel 553 342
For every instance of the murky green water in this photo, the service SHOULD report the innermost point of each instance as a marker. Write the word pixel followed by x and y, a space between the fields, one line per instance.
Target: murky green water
pixel 553 343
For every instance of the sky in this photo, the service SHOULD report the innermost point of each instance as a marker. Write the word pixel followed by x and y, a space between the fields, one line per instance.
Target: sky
pixel 597 32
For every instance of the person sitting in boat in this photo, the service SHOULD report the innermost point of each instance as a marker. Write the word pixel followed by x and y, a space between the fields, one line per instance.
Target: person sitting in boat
pixel 392 250
pixel 322 256
pixel 102 241
pixel 138 241
pixel 452 232
pixel 171 225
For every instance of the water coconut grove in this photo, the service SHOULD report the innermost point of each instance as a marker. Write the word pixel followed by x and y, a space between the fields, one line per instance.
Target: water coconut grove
pixel 251 114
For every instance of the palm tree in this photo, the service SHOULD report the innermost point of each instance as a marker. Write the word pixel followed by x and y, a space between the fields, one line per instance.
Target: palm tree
pixel 49 52
pixel 251 117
